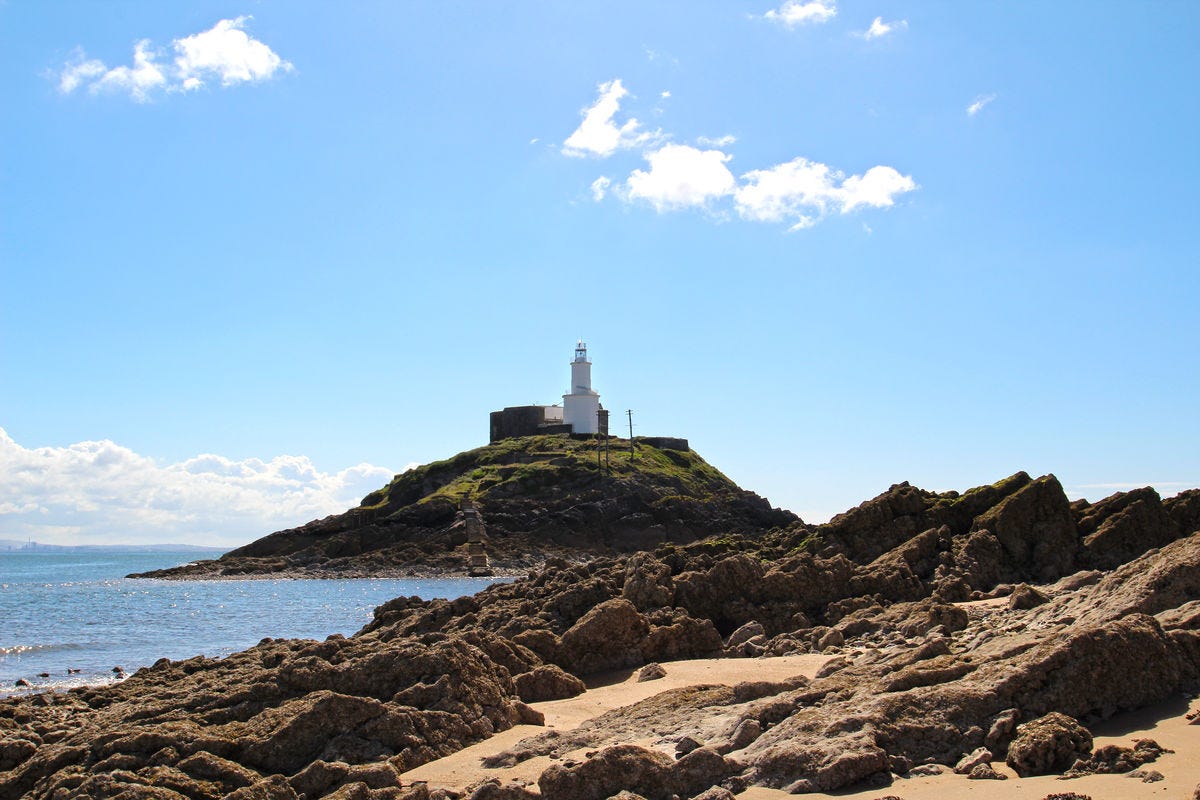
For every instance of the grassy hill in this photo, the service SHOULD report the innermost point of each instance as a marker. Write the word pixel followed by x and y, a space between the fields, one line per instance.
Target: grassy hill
pixel 540 497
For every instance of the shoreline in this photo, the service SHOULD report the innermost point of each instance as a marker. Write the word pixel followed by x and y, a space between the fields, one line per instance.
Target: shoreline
pixel 501 574
pixel 91 618
pixel 906 677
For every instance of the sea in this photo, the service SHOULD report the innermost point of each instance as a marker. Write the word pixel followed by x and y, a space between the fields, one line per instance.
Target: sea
pixel 68 611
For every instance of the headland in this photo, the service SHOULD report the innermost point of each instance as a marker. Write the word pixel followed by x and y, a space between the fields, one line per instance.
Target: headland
pixel 541 497
pixel 981 639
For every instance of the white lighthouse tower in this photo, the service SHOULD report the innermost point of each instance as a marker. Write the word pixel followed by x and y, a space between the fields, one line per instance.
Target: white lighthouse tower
pixel 581 407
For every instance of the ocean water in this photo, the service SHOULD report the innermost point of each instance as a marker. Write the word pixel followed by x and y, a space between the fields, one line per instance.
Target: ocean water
pixel 61 611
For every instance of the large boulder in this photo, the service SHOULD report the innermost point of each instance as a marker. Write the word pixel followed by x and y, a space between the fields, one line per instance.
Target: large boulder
pixel 608 637
pixel 1048 745
pixel 548 682
pixel 676 635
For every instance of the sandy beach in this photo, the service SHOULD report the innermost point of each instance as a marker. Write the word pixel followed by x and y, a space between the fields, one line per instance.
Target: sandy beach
pixel 1165 723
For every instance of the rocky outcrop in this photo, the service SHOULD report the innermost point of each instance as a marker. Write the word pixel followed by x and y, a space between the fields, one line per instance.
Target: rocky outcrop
pixel 918 679
pixel 1123 527
pixel 544 497
pixel 281 708
pixel 648 773
pixel 1035 529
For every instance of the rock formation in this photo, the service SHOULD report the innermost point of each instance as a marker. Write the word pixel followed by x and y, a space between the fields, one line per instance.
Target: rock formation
pixel 1110 621
pixel 543 496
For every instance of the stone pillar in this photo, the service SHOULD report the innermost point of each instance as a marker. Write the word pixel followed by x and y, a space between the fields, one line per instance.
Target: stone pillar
pixel 477 560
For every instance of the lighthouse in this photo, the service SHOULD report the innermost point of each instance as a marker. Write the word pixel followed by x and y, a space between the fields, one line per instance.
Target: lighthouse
pixel 581 406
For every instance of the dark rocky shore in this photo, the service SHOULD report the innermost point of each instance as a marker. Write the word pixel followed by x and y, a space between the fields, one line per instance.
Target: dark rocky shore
pixel 1095 610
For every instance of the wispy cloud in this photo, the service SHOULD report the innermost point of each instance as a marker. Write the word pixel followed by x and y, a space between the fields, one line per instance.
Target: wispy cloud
pixel 979 103
pixel 598 134
pixel 678 177
pixel 138 80
pixel 99 492
pixel 880 28
pixel 224 53
pixel 796 12
pixel 657 55
pixel 600 187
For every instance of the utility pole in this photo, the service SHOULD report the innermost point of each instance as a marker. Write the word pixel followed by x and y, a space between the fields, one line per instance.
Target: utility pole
pixel 602 439
pixel 632 452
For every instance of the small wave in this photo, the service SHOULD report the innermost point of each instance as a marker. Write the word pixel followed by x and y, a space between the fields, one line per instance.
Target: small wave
pixel 38 686
pixel 20 649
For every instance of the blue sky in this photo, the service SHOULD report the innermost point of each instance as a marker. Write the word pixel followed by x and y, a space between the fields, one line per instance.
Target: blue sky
pixel 257 256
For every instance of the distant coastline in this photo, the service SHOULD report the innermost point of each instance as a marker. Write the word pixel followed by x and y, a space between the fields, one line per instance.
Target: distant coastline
pixel 14 546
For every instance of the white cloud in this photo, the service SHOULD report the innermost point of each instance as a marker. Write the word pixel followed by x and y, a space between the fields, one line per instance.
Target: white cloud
pixel 799 192
pixel 878 187
pixel 681 176
pixel 664 94
pixel 795 12
pixel 880 28
pixel 978 104
pixel 600 187
pixel 598 134
pixel 802 191
pixel 225 52
pixel 101 492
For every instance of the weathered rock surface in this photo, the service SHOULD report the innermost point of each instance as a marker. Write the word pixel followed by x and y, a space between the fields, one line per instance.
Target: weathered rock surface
pixel 649 773
pixel 918 681
pixel 1048 744
pixel 1114 759
pixel 608 637
pixel 547 682
pixel 281 708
